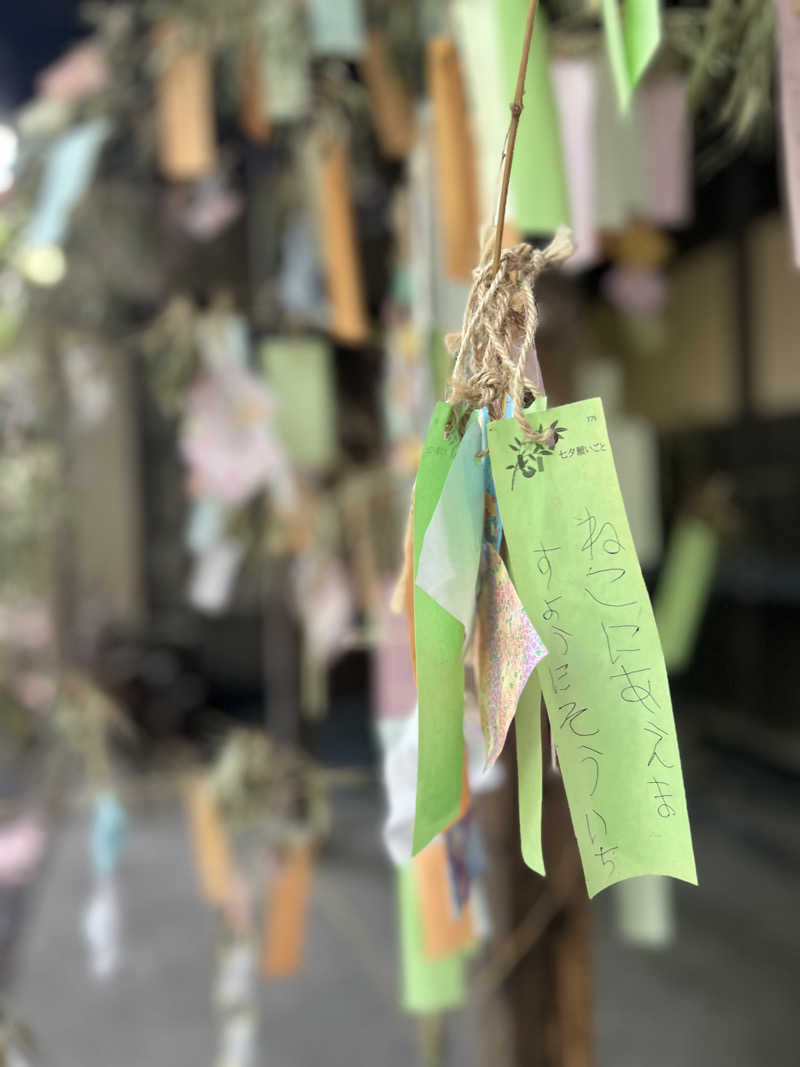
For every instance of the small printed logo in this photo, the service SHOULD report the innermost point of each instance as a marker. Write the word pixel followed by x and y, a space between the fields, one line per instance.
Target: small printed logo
pixel 530 455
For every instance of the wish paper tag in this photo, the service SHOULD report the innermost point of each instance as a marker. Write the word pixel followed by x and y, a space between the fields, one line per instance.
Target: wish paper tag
pixel 451 551
pixel 428 985
pixel 631 41
pixel 440 670
pixel 605 682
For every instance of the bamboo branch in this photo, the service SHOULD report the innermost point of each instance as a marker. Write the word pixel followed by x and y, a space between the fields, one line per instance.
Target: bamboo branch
pixel 516 111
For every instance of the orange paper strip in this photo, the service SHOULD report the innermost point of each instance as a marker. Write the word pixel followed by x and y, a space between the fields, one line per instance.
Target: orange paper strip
pixel 390 102
pixel 286 914
pixel 342 264
pixel 456 182
pixel 209 841
pixel 253 117
pixel 184 108
pixel 443 932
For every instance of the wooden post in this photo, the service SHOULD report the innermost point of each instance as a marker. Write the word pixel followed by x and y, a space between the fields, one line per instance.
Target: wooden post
pixel 540 1014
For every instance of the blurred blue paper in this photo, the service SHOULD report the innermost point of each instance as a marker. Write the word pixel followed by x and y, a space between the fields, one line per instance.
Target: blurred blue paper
pixel 67 174
pixel 337 27
pixel 205 525
pixel 451 550
pixel 108 833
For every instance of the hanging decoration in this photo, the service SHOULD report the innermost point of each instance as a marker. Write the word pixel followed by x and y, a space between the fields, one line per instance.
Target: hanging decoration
pixel 573 564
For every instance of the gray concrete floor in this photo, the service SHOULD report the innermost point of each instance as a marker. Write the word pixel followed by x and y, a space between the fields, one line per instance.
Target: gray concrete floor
pixel 724 995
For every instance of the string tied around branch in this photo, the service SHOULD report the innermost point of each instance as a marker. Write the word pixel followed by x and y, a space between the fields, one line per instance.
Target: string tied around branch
pixel 499 328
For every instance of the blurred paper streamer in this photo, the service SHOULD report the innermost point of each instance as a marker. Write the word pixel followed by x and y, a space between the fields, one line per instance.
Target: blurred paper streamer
pixel 789 92
pixel 214 575
pixel 575 85
pixel 428 985
pixel 645 909
pixel 341 253
pixel 479 44
pixel 212 855
pixel 285 60
pixel 620 167
pixel 632 39
pixel 102 924
pixel 187 143
pixel 21 846
pixel 286 904
pixel 667 150
pixel 69 168
pixel 390 101
pixel 337 27
pixel 300 374
pixel 538 190
pixel 456 180
pixel 681 596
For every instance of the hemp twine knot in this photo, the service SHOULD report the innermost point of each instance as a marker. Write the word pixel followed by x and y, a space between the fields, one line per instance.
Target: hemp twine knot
pixel 499 328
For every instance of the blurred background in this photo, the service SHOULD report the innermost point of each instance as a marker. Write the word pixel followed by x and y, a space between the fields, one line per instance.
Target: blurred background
pixel 233 237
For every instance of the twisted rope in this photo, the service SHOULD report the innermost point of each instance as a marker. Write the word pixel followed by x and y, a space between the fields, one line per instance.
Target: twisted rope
pixel 499 328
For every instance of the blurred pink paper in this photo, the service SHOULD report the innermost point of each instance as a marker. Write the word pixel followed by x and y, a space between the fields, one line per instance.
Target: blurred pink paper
pixel 667 150
pixel 575 85
pixel 394 690
pixel 80 72
pixel 636 290
pixel 508 650
pixel 212 208
pixel 226 437
pixel 789 72
pixel 21 846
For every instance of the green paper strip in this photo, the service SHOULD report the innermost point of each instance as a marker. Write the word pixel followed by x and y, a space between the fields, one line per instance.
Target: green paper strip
pixel 604 680
pixel 528 727
pixel 538 182
pixel 682 594
pixel 428 985
pixel 631 44
pixel 440 670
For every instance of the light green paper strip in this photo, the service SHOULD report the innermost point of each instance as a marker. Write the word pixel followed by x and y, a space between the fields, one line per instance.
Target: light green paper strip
pixel 683 588
pixel 300 373
pixel 528 730
pixel 642 35
pixel 440 670
pixel 615 46
pixel 604 680
pixel 538 183
pixel 631 45
pixel 428 985
pixel 528 727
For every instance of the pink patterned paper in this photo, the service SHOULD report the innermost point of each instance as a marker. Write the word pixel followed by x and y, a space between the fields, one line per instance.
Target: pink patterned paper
pixel 508 649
